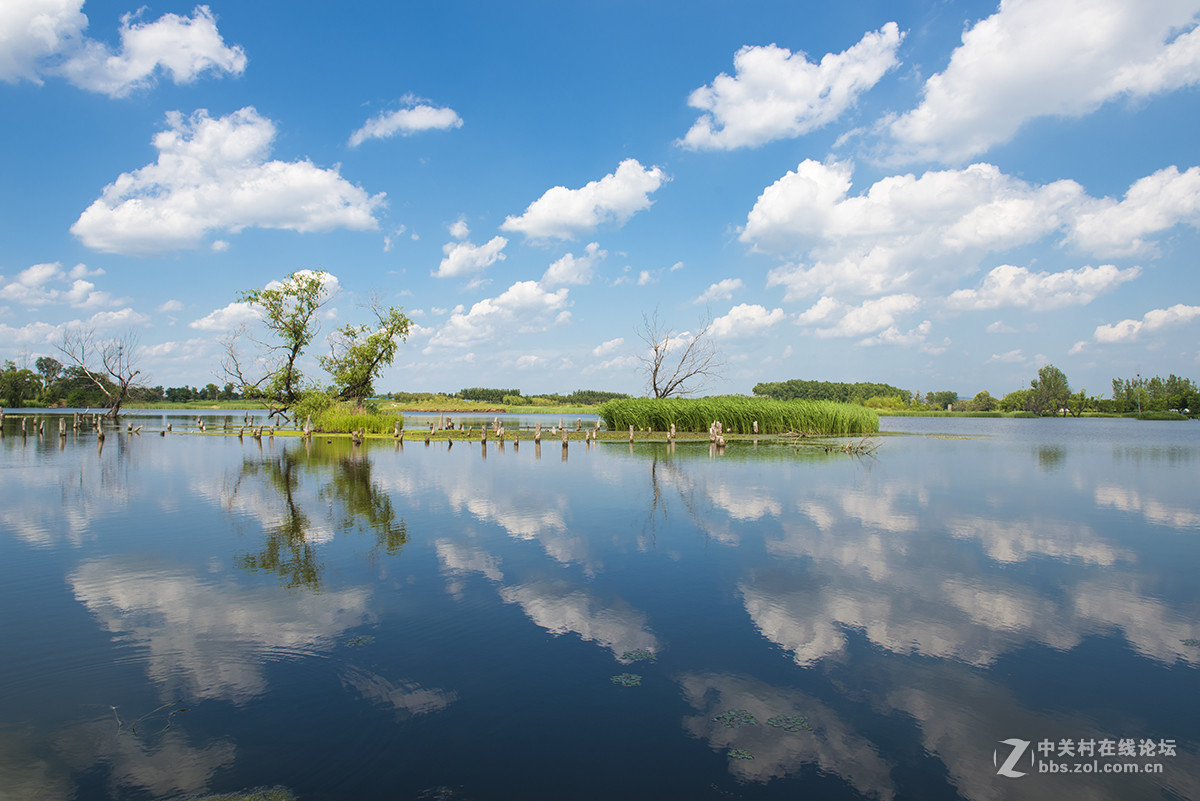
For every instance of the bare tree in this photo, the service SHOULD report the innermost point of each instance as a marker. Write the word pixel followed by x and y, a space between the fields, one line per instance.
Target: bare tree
pixel 678 364
pixel 110 364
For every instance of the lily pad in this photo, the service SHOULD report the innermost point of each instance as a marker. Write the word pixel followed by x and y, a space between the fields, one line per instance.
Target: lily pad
pixel 792 723
pixel 735 718
pixel 627 679
pixel 360 641
pixel 639 655
pixel 740 753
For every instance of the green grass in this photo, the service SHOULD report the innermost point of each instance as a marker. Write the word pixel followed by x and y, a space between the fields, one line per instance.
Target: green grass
pixel 345 417
pixel 937 413
pixel 737 414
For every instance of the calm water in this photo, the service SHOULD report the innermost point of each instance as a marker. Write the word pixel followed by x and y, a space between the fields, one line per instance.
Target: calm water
pixel 186 615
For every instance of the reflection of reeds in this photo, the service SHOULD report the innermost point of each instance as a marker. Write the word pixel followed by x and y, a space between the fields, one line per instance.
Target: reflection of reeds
pixel 738 414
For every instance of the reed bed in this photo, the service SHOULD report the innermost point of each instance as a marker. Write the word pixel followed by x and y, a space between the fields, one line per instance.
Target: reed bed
pixel 344 417
pixel 737 414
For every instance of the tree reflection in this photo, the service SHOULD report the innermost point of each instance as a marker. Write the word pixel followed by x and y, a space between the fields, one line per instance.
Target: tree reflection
pixel 350 498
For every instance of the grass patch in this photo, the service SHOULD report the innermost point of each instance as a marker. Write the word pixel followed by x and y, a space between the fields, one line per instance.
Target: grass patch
pixel 346 417
pixel 1161 416
pixel 738 414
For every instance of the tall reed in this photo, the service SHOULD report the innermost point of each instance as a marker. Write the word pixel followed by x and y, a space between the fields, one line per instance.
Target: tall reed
pixel 737 414
pixel 346 417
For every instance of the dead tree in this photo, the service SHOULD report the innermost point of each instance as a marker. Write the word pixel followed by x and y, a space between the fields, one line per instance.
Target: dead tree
pixel 110 364
pixel 678 364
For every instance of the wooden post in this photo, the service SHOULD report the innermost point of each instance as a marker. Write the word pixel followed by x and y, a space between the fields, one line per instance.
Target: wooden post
pixel 631 435
pixel 537 433
pixel 578 423
pixel 756 427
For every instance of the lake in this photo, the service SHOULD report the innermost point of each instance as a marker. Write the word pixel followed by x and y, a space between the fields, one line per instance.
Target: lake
pixel 981 609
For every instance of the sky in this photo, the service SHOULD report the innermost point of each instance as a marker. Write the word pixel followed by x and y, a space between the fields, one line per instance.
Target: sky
pixel 934 195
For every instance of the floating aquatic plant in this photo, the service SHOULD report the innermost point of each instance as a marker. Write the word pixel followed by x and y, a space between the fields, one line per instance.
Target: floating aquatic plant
pixel 792 723
pixel 627 679
pixel 735 718
pixel 1192 642
pixel 639 655
pixel 360 641
pixel 740 753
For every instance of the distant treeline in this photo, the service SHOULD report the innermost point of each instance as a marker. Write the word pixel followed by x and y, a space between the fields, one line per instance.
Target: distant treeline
pixel 795 389
pixel 513 397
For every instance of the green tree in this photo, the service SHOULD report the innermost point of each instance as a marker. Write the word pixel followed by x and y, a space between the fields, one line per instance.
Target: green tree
pixel 1016 401
pixel 1050 391
pixel 983 402
pixel 17 386
pixel 289 310
pixel 358 353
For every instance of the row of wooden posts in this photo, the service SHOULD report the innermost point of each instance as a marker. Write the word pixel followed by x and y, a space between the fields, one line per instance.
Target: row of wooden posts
pixel 715 431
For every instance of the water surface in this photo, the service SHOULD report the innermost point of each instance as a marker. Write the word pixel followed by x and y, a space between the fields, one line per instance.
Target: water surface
pixel 191 614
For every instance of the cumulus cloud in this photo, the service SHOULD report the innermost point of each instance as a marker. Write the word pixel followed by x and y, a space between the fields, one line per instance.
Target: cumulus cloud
pixel 746 320
pixel 213 175
pixel 1153 320
pixel 721 290
pixel 1154 203
pixel 855 321
pixel 563 213
pixel 572 269
pixel 235 315
pixel 1007 285
pixel 915 337
pixel 464 258
pixel 44 284
pixel 778 94
pixel 525 307
pixel 1036 58
pixel 171 305
pixel 414 118
pixel 46 37
pixel 1011 357
pixel 907 231
pixel 605 348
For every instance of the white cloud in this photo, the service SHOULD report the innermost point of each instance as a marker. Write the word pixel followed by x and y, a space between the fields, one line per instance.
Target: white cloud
pixel 1035 58
pixel 746 320
pixel 563 213
pixel 605 348
pixel 999 327
pixel 233 316
pixel 525 307
pixel 458 229
pixel 171 305
pixel 645 278
pixel 909 232
pixel 1011 357
pixel 777 94
pixel 913 337
pixel 33 287
pixel 572 269
pixel 1153 320
pixel 722 290
pixel 1154 203
pixel 46 37
pixel 212 175
pixel 464 258
pixel 820 311
pixel 902 226
pixel 182 47
pixel 33 30
pixel 530 362
pixel 416 117
pixel 1007 285
pixel 871 315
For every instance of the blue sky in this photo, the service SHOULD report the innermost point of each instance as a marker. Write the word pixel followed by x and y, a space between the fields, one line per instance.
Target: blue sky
pixel 933 195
